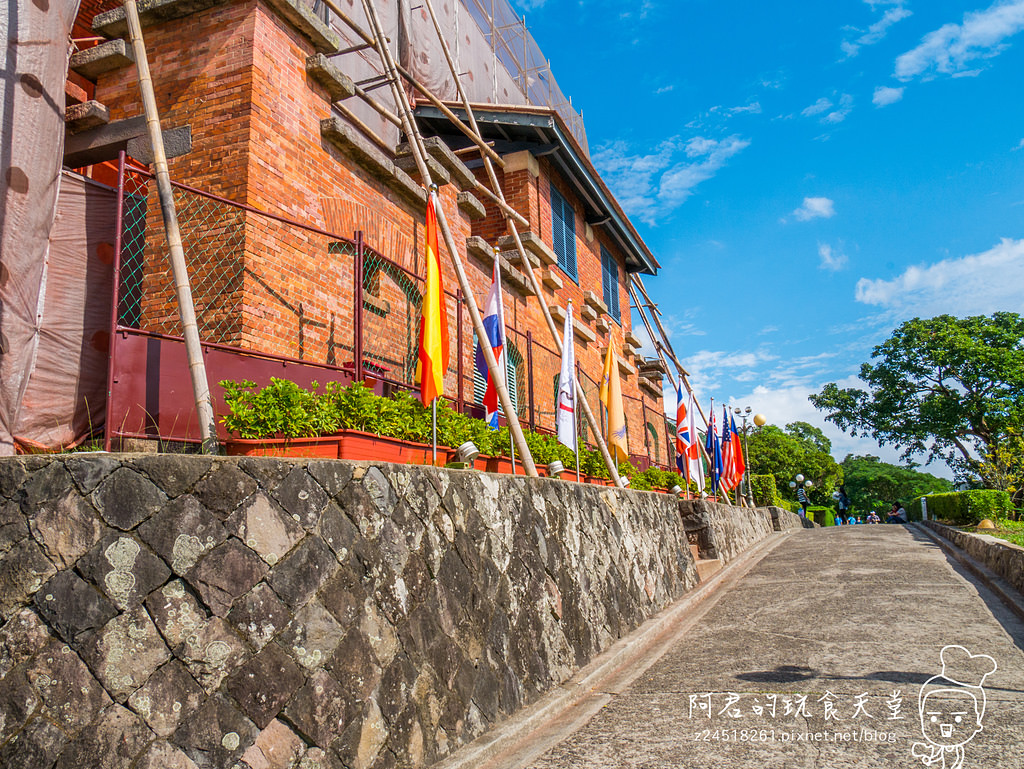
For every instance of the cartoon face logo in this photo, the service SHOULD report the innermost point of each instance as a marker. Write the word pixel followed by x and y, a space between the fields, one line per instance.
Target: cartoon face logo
pixel 950 717
pixel 951 706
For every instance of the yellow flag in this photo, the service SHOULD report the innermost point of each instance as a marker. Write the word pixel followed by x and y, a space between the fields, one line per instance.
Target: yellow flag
pixel 611 397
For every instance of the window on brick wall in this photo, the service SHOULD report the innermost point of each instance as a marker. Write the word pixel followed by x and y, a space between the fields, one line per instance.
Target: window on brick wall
pixel 563 233
pixel 513 365
pixel 610 283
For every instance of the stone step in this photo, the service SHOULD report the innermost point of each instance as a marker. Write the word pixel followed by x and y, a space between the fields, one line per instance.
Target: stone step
pixel 706 568
pixel 88 114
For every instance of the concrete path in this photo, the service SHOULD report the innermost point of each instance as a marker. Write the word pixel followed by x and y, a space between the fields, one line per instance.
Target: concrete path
pixel 848 620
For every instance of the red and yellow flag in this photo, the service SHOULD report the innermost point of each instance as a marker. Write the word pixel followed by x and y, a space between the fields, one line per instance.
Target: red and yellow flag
pixel 433 355
pixel 611 396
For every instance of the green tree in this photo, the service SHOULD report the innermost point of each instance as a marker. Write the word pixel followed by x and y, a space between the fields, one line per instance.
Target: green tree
pixel 800 448
pixel 1003 467
pixel 872 484
pixel 951 388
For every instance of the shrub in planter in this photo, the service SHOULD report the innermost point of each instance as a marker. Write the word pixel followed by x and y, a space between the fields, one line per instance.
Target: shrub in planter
pixel 282 408
pixel 964 508
pixel 766 493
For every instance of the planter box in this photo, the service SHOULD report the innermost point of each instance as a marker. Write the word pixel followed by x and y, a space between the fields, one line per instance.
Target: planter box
pixel 347 444
pixel 324 447
pixel 504 465
pixel 367 447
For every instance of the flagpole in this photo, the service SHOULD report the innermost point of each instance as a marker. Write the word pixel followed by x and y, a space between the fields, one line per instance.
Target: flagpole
pixel 512 446
pixel 433 431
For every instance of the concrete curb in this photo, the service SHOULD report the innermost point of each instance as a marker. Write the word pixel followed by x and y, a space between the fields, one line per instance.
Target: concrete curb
pixel 519 740
pixel 1002 588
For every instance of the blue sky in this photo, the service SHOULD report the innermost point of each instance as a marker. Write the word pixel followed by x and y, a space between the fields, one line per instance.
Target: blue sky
pixel 809 174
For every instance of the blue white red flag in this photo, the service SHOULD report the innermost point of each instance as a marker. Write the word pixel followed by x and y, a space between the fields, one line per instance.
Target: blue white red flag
pixel 494 326
pixel 714 449
pixel 729 479
pixel 687 444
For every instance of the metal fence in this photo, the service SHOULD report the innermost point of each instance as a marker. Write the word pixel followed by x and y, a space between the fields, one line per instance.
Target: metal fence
pixel 286 290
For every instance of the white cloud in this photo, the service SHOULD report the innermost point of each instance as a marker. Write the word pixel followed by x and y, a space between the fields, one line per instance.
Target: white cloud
pixel 821 105
pixel 664 89
pixel 754 108
pixel 876 32
pixel 1020 146
pixel 951 48
pixel 884 95
pixel 652 186
pixel 815 208
pixel 787 404
pixel 978 284
pixel 824 107
pixel 840 113
pixel 831 259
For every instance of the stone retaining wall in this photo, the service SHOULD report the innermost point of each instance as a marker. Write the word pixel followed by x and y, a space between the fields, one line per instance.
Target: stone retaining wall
pixel 723 531
pixel 179 611
pixel 1004 558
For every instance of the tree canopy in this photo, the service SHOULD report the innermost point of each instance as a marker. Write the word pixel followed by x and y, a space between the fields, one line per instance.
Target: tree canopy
pixel 949 388
pixel 872 484
pixel 800 448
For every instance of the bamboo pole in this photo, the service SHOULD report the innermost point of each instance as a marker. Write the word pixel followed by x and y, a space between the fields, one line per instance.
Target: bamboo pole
pixel 179 269
pixel 416 144
pixel 612 466
pixel 398 69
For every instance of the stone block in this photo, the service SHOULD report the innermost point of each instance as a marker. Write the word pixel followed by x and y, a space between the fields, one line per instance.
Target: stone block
pixel 224 487
pixel 265 528
pixel 587 313
pixel 343 596
pixel 163 755
pixel 354 666
pixel 88 468
pixel 86 115
pixel 217 736
pixel 20 638
pixel 626 368
pixel 308 24
pixel 177 613
pixel 177 142
pixel 73 607
pixel 268 471
pixel 91 62
pixel 438 173
pixel 632 339
pixel 350 142
pixel 212 653
pixel 173 473
pixel 115 741
pixel 46 484
pixel 311 638
pixel 69 694
pixel 302 573
pixel 593 300
pixel 318 709
pixel 454 169
pixel 126 498
pixel 13 526
pixel 338 85
pixel 225 573
pixel 259 615
pixel 480 249
pixel 169 697
pixel 113 24
pixel 301 497
pixel 265 683
pixel 333 476
pixel 125 653
pixel 277 747
pixel 66 528
pixel 533 243
pixel 18 703
pixel 183 532
pixel 523 160
pixel 550 279
pixel 470 205
pixel 602 326
pixel 38 745
pixel 124 569
pixel 23 570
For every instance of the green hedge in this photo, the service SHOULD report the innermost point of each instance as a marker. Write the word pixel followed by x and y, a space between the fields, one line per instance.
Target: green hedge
pixel 821 515
pixel 766 493
pixel 964 508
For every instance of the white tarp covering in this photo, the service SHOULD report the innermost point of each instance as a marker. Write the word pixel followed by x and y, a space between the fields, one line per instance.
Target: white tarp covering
pixel 34 67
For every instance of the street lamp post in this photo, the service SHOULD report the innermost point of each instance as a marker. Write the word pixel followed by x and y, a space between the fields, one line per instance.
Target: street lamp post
pixel 759 420
pixel 801 486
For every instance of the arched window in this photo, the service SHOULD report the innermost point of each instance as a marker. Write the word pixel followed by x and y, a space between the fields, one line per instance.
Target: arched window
pixel 655 454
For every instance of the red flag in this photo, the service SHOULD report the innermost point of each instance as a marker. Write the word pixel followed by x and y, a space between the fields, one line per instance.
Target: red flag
pixel 433 353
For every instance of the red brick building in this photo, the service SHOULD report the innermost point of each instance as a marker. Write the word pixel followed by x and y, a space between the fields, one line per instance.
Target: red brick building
pixel 279 167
